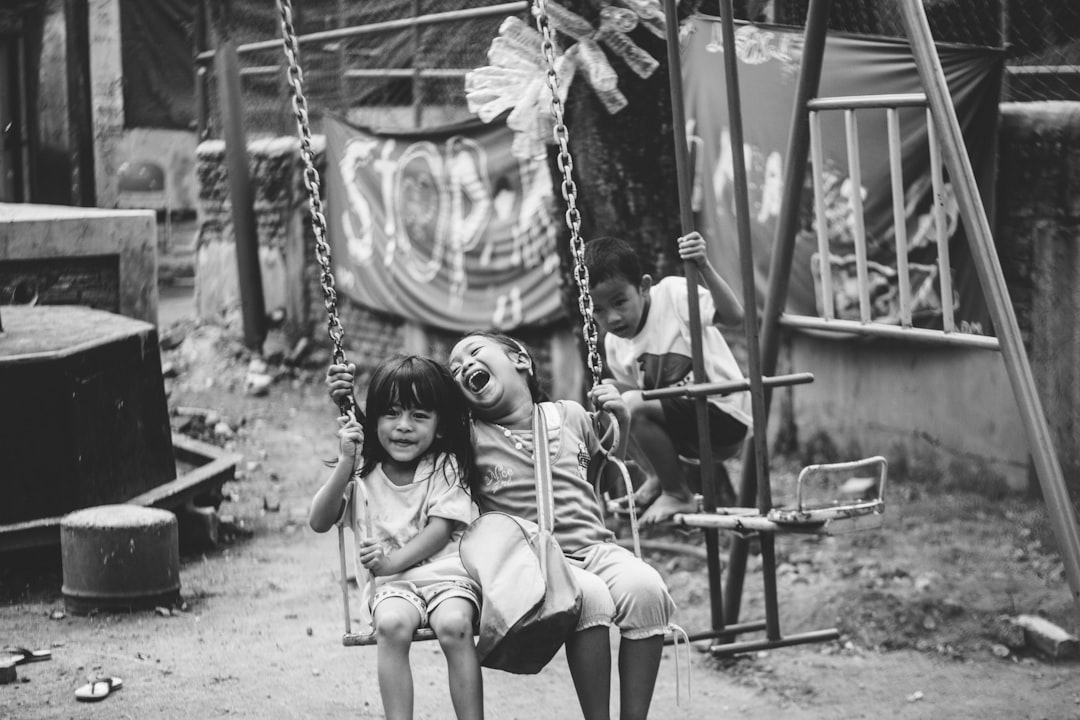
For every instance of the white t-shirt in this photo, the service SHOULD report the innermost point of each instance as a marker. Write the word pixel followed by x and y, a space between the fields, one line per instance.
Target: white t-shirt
pixel 395 514
pixel 660 354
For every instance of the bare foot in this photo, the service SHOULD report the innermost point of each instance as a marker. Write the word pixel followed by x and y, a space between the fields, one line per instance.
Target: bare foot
pixel 666 507
pixel 644 496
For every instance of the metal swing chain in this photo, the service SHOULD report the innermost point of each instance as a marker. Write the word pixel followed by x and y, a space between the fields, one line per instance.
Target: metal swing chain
pixel 311 182
pixel 569 193
pixel 577 246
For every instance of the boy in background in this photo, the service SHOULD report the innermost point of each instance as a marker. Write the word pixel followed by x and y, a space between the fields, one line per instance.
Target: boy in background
pixel 648 346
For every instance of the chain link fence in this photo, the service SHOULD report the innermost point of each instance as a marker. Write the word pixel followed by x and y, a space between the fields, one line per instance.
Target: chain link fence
pixel 402 64
pixel 377 62
pixel 1041 37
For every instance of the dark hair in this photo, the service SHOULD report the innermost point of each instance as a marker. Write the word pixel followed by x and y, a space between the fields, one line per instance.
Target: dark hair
pixel 610 258
pixel 516 346
pixel 412 381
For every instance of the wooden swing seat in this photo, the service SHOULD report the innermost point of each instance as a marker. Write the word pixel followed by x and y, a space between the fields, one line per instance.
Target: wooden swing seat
pixel 352 639
pixel 356 639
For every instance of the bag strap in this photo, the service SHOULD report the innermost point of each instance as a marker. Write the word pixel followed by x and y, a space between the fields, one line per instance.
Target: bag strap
pixel 545 495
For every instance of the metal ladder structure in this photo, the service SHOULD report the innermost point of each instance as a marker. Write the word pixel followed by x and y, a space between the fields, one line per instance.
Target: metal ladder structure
pixel 756 517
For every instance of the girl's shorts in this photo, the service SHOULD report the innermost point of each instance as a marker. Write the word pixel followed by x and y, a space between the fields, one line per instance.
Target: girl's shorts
pixel 428 585
pixel 643 607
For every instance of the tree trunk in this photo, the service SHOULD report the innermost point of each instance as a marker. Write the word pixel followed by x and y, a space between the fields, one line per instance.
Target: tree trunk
pixel 624 164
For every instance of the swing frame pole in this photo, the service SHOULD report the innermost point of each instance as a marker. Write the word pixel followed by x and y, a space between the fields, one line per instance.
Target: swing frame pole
pixel 226 64
pixel 757 442
pixel 686 217
pixel 783 251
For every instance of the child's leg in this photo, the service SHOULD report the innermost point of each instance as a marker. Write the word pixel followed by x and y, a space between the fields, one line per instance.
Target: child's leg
pixel 588 649
pixel 588 655
pixel 649 430
pixel 452 621
pixel 396 619
pixel 643 609
pixel 639 663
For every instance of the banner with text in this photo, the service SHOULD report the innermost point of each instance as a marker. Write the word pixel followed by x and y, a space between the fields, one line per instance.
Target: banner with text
pixel 769 60
pixel 446 228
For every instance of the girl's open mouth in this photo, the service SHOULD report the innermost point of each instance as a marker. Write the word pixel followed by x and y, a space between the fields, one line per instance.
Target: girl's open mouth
pixel 477 380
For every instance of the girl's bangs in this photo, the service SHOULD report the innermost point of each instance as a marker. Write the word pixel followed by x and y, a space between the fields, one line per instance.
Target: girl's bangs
pixel 410 387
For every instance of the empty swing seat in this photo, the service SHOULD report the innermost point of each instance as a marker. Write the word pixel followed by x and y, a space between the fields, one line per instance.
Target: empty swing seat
pixel 806 517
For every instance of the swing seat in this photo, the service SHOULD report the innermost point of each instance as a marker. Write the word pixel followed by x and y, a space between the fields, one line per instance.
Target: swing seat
pixel 352 639
pixel 813 518
pixel 356 639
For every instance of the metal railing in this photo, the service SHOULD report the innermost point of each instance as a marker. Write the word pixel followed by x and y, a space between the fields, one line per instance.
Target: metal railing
pixel 333 66
pixel 866 324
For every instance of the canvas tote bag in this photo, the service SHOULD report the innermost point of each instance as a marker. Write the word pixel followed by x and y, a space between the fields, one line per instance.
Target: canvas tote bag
pixel 530 601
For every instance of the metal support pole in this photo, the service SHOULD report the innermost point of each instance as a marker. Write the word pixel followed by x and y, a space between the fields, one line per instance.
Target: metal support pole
pixel 783 250
pixel 980 239
pixel 417 80
pixel 686 216
pixel 757 440
pixel 202 105
pixel 243 206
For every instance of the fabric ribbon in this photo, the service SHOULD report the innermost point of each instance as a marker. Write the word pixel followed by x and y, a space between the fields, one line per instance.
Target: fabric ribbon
pixel 516 77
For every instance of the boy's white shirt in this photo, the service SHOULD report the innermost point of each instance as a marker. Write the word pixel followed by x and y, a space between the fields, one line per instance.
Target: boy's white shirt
pixel 660 354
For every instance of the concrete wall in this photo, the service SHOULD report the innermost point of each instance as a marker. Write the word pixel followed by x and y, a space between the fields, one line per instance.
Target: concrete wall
pixel 175 152
pixel 1039 223
pixel 114 145
pixel 286 262
pixel 30 232
pixel 944 414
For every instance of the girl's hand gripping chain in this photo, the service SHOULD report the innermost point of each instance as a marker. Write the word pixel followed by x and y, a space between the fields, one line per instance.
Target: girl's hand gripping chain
pixel 352 439
pixel 340 378
pixel 605 396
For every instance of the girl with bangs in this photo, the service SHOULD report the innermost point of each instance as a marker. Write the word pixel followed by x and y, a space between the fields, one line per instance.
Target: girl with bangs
pixel 412 500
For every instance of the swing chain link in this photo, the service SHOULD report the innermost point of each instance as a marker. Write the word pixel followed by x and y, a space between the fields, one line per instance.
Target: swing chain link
pixel 311 181
pixel 569 192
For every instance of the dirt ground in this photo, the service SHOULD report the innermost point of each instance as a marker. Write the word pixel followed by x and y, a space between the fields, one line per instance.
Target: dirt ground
pixel 922 604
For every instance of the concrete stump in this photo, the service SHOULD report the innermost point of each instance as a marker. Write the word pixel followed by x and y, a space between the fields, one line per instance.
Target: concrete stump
pixel 119 557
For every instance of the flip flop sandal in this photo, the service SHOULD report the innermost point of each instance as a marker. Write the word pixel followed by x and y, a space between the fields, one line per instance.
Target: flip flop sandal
pixel 98 689
pixel 23 656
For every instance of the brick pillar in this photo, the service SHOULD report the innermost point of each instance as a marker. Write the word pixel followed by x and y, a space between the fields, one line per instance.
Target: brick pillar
pixel 1038 229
